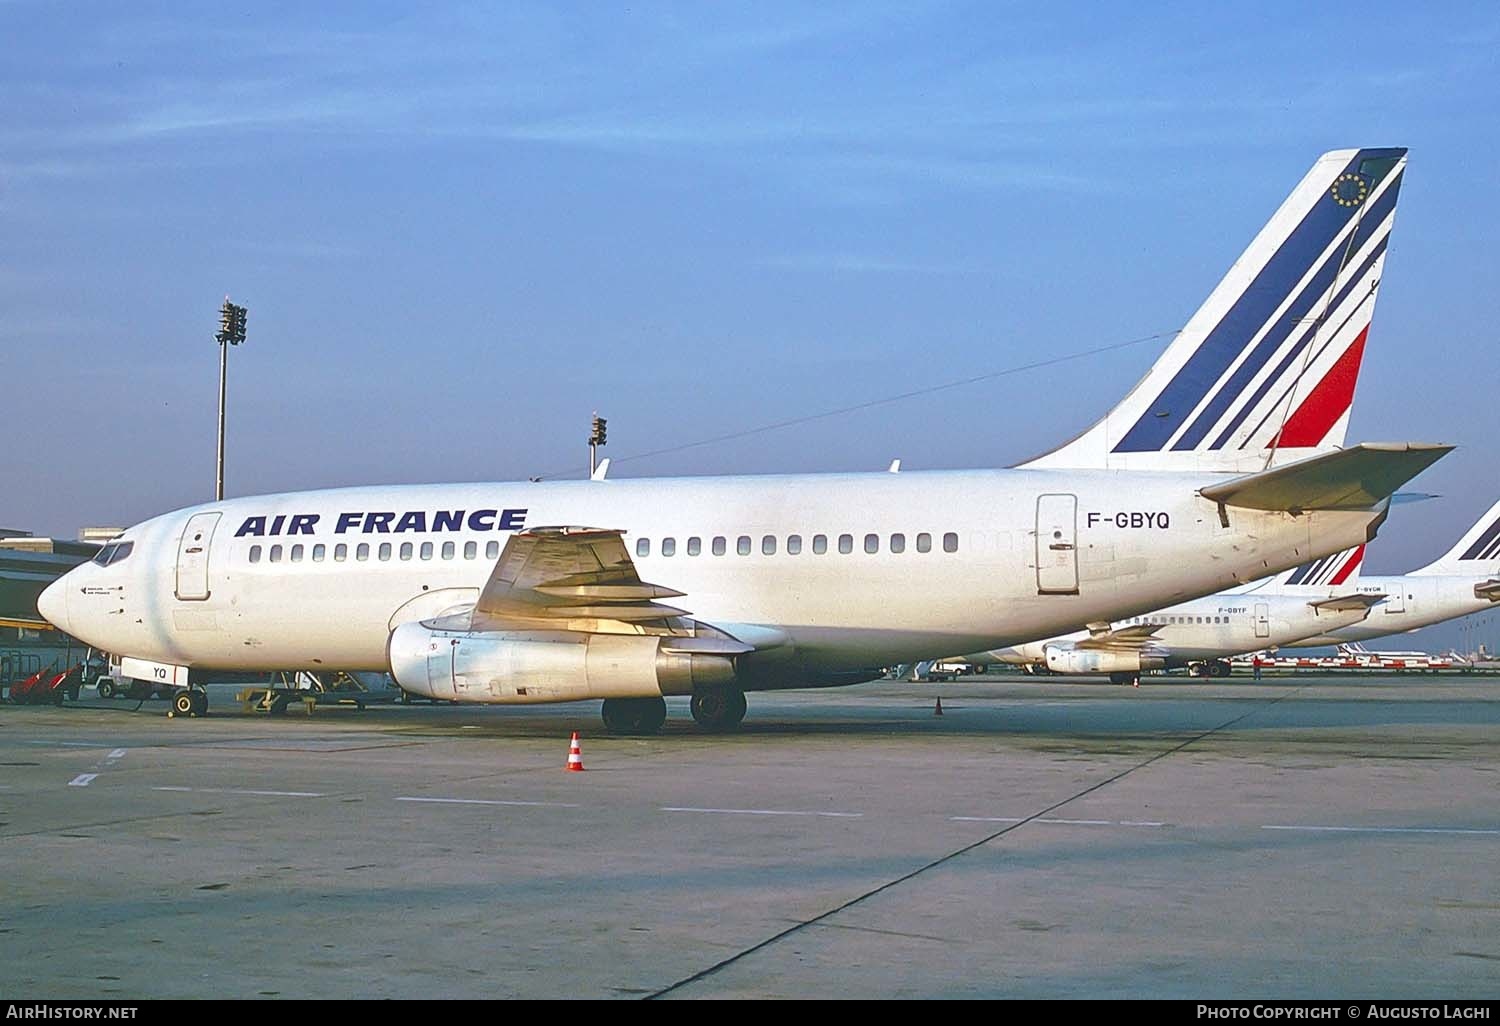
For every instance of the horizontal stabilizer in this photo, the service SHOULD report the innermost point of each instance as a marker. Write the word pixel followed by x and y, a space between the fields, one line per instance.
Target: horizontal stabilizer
pixel 1345 603
pixel 1353 478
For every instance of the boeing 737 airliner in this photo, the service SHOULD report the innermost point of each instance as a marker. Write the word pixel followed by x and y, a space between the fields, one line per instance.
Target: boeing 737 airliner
pixel 1225 464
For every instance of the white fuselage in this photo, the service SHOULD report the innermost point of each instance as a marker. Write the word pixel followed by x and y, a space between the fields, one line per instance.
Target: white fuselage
pixel 1216 627
pixel 1412 601
pixel 1013 555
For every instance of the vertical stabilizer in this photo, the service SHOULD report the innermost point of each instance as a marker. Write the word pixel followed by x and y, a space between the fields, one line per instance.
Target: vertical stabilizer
pixel 1264 372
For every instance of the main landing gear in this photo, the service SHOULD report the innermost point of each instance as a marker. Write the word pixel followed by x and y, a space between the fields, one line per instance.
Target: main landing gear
pixel 715 709
pixel 634 715
pixel 190 702
pixel 718 708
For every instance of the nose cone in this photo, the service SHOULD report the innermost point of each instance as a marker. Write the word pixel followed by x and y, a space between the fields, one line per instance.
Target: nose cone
pixel 52 603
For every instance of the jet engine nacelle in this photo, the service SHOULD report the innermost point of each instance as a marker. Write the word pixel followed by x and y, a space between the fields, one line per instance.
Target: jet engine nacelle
pixel 546 666
pixel 1065 659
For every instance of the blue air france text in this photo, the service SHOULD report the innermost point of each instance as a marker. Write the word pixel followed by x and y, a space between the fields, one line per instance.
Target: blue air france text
pixel 386 522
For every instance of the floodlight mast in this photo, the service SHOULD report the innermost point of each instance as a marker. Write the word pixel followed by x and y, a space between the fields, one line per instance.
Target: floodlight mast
pixel 596 439
pixel 231 333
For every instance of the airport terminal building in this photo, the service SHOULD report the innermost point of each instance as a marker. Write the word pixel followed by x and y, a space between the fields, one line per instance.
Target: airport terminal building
pixel 28 564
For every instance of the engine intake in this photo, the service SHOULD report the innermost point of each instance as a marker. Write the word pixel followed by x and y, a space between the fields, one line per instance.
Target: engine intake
pixel 546 666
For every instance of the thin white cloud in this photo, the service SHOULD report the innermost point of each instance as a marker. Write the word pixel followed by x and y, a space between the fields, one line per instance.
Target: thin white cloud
pixel 855 263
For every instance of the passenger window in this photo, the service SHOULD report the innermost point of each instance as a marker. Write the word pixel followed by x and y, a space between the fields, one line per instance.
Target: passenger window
pixel 719 545
pixel 427 550
pixel 820 544
pixel 255 553
pixel 768 545
pixel 492 550
pixel 742 545
pixel 793 544
pixel 362 553
pixel 340 552
pixel 695 546
pixel 924 542
pixel 406 550
pixel 385 551
pixel 471 550
pixel 846 543
pixel 872 543
pixel 276 553
pixel 296 553
pixel 669 546
pixel 950 542
pixel 449 550
pixel 642 547
pixel 319 551
pixel 898 543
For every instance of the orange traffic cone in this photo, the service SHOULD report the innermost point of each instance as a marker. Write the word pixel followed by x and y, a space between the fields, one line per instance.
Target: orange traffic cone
pixel 937 710
pixel 575 756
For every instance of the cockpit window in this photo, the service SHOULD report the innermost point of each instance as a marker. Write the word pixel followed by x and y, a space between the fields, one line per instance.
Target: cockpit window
pixel 114 552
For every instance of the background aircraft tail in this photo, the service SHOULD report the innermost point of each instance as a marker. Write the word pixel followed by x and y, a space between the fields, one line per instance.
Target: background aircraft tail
pixel 1338 571
pixel 1477 552
pixel 1264 372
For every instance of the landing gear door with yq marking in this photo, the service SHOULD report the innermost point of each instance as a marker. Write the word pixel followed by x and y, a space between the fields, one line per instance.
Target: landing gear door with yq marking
pixel 1057 544
pixel 192 557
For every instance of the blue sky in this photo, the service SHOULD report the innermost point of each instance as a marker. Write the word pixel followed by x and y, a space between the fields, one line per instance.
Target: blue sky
pixel 459 231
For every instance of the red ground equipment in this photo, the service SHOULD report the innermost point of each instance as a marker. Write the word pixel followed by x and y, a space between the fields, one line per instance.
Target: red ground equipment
pixel 48 688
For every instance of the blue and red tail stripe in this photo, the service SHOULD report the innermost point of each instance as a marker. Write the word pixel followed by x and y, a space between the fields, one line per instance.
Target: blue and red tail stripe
pixel 1272 287
pixel 1330 570
pixel 1487 545
pixel 1279 375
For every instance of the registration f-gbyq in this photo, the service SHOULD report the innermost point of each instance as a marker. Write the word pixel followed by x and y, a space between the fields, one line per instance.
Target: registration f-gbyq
pixel 1220 467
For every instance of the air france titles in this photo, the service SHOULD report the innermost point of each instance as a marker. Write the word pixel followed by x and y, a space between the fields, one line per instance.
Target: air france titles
pixel 387 522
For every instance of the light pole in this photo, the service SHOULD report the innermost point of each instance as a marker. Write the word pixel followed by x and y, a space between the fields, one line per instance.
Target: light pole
pixel 596 439
pixel 231 333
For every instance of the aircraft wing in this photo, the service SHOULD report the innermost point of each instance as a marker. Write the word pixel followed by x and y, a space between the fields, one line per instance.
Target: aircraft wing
pixel 570 573
pixel 1130 638
pixel 1345 603
pixel 1353 478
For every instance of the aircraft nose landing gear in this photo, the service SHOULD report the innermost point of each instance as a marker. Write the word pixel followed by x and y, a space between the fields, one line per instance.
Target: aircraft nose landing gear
pixel 718 708
pixel 190 702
